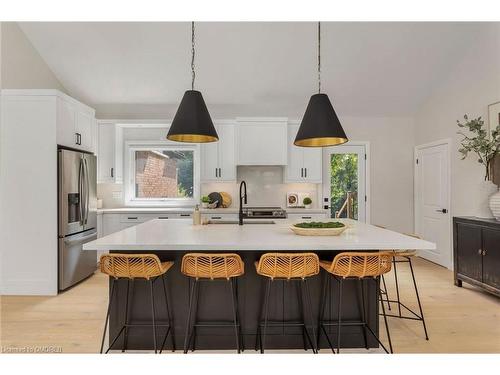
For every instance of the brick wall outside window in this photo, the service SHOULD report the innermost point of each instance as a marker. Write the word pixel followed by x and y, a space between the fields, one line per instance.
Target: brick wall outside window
pixel 156 176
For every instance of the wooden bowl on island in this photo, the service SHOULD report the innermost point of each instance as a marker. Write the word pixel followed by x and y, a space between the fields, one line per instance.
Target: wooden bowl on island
pixel 330 228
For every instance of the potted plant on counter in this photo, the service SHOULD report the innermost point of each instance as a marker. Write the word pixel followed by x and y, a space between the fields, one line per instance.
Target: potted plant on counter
pixel 307 202
pixel 486 147
pixel 205 200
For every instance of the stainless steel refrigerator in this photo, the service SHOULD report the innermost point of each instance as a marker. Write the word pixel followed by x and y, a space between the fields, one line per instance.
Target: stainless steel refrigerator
pixel 77 200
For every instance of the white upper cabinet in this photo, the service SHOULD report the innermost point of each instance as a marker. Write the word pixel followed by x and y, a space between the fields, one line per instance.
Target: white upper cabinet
pixel 304 163
pixel 110 153
pixel 218 158
pixel 261 141
pixel 75 124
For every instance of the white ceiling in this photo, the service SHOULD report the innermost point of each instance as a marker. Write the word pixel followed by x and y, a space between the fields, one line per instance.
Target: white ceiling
pixel 251 69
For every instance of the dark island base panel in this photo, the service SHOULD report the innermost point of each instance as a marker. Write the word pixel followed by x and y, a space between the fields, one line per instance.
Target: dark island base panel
pixel 215 304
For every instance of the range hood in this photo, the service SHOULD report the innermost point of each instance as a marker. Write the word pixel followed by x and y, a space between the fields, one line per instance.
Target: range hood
pixel 261 141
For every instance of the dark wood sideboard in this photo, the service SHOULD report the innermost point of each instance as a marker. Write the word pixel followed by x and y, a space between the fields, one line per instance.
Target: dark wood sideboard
pixel 476 250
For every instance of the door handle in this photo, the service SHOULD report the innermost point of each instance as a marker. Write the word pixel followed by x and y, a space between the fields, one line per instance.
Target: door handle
pixel 301 172
pixel 442 210
pixel 305 172
pixel 112 172
pixel 87 191
pixel 80 191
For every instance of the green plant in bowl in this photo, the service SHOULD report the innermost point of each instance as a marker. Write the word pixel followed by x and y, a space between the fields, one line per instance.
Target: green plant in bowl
pixel 320 224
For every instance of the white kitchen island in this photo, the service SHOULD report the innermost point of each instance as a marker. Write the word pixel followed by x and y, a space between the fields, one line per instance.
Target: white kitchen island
pixel 177 234
pixel 171 239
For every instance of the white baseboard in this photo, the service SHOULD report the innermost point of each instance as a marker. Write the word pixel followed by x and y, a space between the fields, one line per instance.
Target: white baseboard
pixel 28 287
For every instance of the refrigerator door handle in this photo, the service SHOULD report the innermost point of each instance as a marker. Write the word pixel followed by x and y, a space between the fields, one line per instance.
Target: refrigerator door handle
pixel 80 191
pixel 87 191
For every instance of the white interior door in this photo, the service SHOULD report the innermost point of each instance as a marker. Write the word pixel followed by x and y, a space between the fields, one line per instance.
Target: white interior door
pixel 432 200
pixel 344 170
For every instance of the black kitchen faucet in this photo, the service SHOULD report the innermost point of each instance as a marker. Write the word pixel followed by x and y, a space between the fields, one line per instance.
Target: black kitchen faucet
pixel 243 199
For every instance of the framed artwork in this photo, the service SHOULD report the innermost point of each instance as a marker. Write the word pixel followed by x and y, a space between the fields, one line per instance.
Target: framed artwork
pixel 493 122
pixel 493 116
pixel 292 199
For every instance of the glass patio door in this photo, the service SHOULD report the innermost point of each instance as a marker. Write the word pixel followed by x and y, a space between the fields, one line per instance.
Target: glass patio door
pixel 344 181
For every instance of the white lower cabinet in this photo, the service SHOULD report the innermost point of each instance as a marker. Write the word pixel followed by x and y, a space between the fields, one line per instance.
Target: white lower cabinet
pixel 115 222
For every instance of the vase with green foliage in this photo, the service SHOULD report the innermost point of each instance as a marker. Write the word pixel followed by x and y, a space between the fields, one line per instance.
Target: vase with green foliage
pixel 307 202
pixel 485 146
pixel 205 200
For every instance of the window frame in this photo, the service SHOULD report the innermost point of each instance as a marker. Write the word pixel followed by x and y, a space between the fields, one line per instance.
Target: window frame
pixel 129 174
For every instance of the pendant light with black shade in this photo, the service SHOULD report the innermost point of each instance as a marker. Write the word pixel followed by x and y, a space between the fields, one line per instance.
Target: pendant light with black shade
pixel 192 122
pixel 320 126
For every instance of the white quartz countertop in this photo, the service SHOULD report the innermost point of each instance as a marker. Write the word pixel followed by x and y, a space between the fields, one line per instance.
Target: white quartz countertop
pixel 230 210
pixel 182 235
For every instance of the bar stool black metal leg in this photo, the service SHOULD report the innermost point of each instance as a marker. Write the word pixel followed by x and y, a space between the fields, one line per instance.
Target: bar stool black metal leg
pixel 188 322
pixel 386 293
pixel 321 311
pixel 266 310
pixel 302 317
pixel 194 331
pixel 125 336
pixel 107 313
pixel 363 311
pixel 418 299
pixel 169 319
pixel 385 319
pixel 235 320
pixel 311 319
pixel 153 313
pixel 240 334
pixel 397 284
pixel 340 280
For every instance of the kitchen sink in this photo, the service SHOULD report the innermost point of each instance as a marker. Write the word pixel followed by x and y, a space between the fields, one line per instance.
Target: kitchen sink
pixel 245 222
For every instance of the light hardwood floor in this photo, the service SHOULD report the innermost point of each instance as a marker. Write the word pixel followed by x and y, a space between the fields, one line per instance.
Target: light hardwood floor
pixel 459 320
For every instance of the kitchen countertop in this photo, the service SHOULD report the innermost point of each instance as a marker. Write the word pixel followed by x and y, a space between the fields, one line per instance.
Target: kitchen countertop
pixel 230 210
pixel 182 235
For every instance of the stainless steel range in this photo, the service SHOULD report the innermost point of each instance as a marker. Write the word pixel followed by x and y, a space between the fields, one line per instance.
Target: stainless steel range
pixel 264 212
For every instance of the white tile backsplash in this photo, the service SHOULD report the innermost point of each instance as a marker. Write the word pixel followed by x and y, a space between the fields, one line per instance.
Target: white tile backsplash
pixel 265 187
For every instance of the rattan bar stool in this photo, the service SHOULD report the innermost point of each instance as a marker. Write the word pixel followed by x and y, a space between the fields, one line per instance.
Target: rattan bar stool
pixel 359 266
pixel 405 256
pixel 130 267
pixel 210 267
pixel 288 267
pixel 383 287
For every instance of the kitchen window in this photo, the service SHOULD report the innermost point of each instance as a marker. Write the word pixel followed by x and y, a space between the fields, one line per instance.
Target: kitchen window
pixel 163 175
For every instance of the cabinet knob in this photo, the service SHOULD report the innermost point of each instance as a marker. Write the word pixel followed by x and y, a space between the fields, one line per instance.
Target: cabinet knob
pixel 484 252
pixel 480 252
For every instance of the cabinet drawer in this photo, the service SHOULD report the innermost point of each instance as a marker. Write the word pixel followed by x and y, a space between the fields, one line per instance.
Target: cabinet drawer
pixel 215 217
pixel 136 218
pixel 307 217
pixel 141 218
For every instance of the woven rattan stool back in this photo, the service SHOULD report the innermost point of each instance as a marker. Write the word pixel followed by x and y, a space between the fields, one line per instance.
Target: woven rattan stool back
pixel 212 266
pixel 288 265
pixel 133 265
pixel 360 264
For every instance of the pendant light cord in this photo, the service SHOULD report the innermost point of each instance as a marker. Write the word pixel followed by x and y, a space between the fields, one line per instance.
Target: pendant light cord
pixel 319 57
pixel 193 74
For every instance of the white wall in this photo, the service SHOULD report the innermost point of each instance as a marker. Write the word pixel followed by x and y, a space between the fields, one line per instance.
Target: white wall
pixel 471 84
pixel 21 65
pixel 391 167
